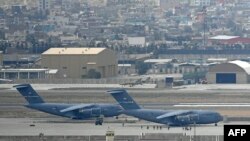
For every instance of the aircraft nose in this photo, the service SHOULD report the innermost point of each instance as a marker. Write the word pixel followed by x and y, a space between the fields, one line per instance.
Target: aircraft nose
pixel 220 117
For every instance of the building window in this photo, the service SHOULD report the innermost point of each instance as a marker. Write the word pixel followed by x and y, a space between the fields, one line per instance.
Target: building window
pixel 64 67
pixel 84 68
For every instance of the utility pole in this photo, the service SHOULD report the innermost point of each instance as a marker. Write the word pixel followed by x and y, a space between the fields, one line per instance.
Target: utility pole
pixel 204 11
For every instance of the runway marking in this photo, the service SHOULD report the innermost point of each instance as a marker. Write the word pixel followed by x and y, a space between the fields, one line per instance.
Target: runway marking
pixel 212 105
pixel 218 103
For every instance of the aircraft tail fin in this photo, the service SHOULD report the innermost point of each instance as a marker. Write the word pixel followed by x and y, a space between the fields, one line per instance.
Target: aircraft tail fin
pixel 123 98
pixel 29 93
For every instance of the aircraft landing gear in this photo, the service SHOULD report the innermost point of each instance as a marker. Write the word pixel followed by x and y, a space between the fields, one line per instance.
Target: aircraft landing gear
pixel 187 128
pixel 99 121
pixel 215 124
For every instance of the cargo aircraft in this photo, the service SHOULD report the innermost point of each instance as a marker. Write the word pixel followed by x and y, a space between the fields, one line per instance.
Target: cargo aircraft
pixel 139 81
pixel 73 111
pixel 183 118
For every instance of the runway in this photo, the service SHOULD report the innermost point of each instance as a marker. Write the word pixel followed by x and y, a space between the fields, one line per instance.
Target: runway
pixel 49 127
pixel 226 100
pixel 16 120
pixel 212 105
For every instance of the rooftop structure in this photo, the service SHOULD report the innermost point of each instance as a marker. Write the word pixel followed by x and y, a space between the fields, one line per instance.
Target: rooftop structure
pixel 70 51
pixel 223 37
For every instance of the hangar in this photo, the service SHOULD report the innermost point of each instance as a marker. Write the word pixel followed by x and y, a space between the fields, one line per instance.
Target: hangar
pixel 78 62
pixel 233 72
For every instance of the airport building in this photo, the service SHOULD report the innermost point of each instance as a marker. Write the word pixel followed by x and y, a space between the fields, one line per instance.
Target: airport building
pixel 15 74
pixel 234 72
pixel 81 62
pixel 1 58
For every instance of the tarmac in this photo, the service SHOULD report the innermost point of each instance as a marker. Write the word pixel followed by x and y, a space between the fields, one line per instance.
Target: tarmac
pixel 16 120
pixel 195 87
pixel 56 127
pixel 77 86
pixel 230 100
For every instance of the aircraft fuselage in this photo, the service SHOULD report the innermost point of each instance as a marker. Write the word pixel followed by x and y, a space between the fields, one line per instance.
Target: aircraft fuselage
pixel 105 110
pixel 196 116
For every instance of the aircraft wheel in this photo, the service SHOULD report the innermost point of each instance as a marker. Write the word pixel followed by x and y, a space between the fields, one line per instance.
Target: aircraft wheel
pixel 216 124
pixel 99 121
pixel 96 123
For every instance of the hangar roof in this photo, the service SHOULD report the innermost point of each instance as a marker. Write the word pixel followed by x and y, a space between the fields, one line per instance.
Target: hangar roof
pixel 223 37
pixel 244 65
pixel 158 61
pixel 24 70
pixel 75 51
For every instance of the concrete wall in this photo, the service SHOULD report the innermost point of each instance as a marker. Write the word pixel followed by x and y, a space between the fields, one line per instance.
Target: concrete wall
pixel 82 81
pixel 77 66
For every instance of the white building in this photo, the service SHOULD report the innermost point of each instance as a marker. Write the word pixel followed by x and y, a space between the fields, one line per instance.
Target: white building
pixel 137 41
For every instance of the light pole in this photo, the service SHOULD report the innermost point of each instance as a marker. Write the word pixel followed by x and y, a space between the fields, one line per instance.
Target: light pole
pixel 204 13
pixel 204 10
pixel 194 139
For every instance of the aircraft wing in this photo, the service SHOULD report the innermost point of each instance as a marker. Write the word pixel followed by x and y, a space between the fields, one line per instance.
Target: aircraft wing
pixel 76 107
pixel 174 113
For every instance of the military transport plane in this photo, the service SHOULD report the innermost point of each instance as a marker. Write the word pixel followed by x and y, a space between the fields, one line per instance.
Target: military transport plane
pixel 139 81
pixel 168 117
pixel 73 111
